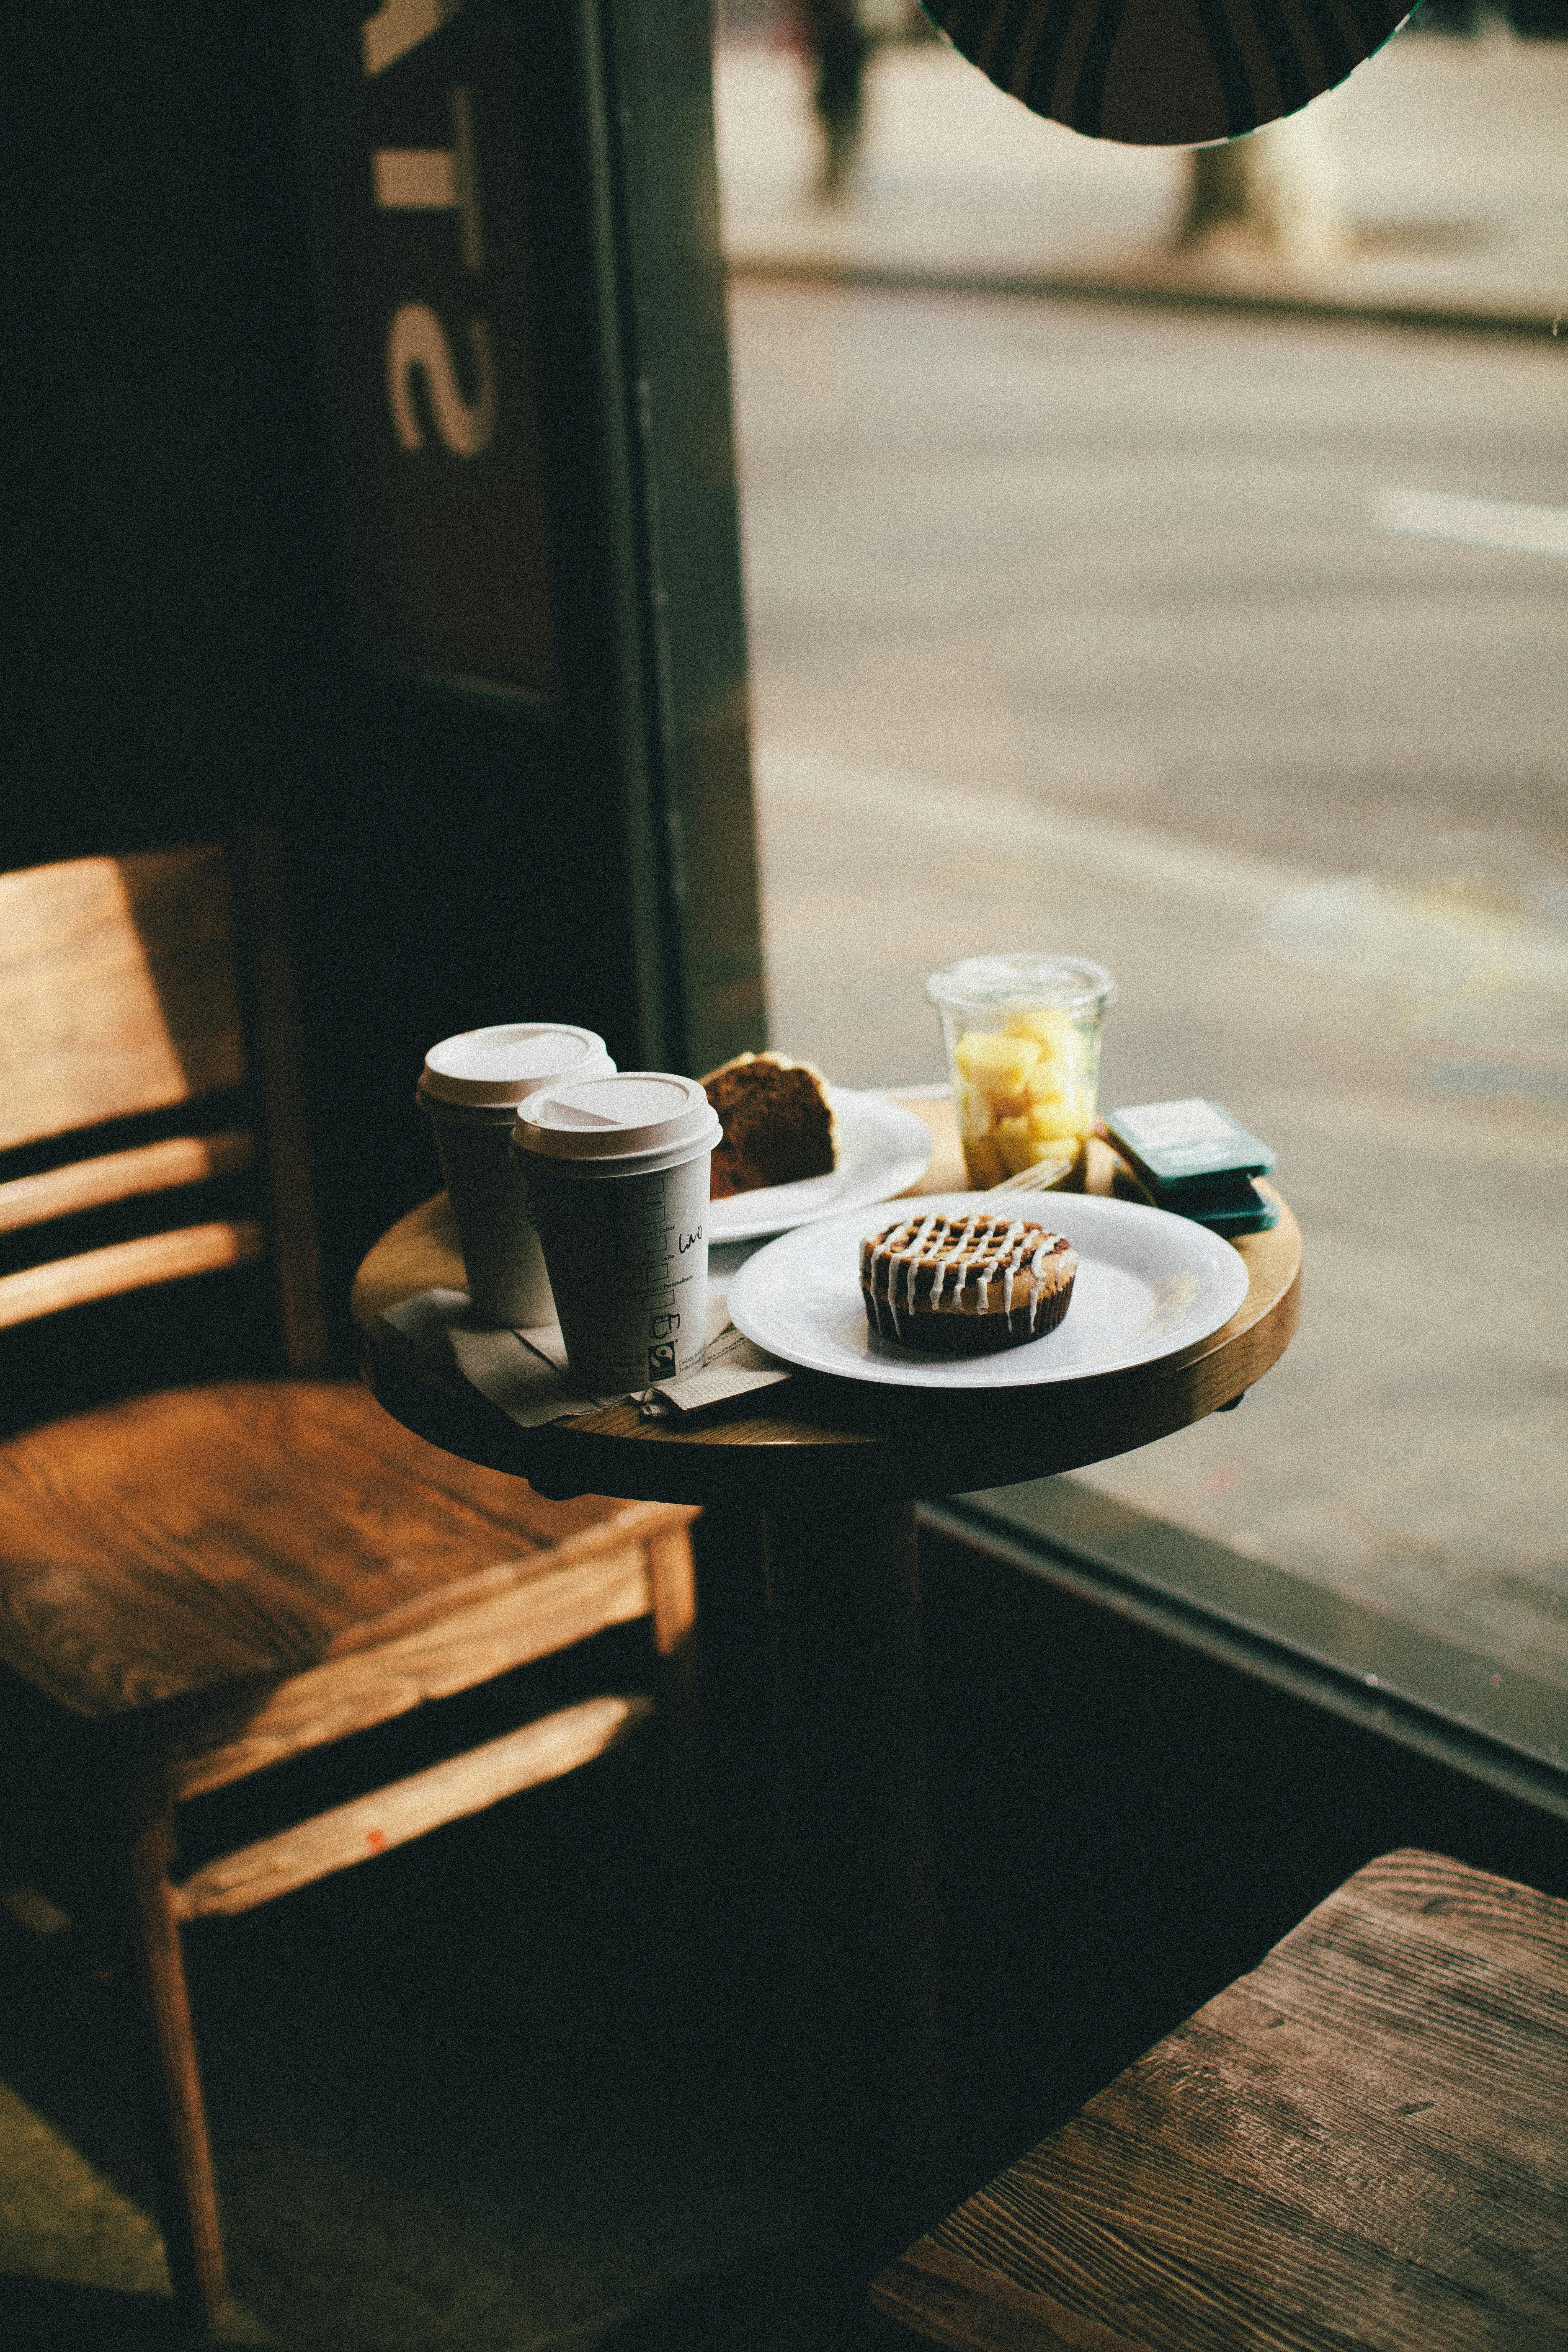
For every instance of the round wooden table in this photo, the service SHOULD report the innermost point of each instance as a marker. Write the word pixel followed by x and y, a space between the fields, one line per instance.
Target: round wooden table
pixel 809 1491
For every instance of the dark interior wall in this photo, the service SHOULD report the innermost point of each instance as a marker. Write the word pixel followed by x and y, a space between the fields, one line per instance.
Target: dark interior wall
pixel 1124 1826
pixel 175 660
pixel 167 573
pixel 179 657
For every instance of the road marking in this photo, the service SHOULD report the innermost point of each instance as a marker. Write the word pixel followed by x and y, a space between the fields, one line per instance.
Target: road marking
pixel 1506 523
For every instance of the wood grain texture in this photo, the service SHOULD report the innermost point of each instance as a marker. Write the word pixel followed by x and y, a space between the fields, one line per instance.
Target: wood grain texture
pixel 123 1267
pixel 833 1436
pixel 1363 2142
pixel 528 1616
pixel 117 989
pixel 121 1176
pixel 941 2295
pixel 255 1529
pixel 539 1751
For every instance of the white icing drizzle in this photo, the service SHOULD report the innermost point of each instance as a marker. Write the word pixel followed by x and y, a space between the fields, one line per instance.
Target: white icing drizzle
pixel 975 1250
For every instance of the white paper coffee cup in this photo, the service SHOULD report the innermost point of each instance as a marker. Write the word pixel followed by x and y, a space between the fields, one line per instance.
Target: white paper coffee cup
pixel 618 1176
pixel 471 1086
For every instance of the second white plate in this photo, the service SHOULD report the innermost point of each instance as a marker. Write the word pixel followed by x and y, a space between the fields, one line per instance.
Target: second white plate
pixel 1148 1285
pixel 881 1149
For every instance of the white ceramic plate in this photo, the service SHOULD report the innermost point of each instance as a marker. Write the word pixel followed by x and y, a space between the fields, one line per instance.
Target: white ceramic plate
pixel 881 1148
pixel 1148 1285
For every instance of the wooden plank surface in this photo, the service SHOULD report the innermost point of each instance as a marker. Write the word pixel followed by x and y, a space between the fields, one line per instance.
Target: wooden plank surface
pixel 252 1529
pixel 1363 2142
pixel 941 2295
pixel 121 1176
pixel 390 1817
pixel 127 1266
pixel 525 1618
pixel 118 990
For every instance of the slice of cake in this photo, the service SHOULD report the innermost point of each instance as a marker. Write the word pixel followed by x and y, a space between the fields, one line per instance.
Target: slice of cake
pixel 965 1284
pixel 777 1121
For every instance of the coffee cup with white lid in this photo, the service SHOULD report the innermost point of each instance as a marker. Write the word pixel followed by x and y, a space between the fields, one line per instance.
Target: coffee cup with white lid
pixel 470 1086
pixel 618 1176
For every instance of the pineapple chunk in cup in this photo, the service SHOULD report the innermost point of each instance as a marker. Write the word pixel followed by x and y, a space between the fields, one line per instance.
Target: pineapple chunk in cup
pixel 1022 1034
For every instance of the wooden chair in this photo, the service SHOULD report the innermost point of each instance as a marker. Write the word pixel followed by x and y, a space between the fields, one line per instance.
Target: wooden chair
pixel 197 1583
pixel 1363 2142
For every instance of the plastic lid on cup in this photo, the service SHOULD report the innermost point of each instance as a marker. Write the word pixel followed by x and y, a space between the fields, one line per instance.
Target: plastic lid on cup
pixel 622 1116
pixel 504 1063
pixel 1006 983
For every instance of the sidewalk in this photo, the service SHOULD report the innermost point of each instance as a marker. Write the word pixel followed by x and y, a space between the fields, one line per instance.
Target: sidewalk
pixel 1450 158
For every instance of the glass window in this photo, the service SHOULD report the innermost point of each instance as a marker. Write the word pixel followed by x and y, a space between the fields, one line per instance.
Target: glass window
pixel 1223 641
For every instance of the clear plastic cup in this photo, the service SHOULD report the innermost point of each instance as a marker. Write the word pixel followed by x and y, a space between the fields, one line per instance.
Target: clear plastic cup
pixel 1022 1034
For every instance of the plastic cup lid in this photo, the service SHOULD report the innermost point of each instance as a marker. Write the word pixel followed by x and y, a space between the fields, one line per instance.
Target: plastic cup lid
pixel 618 1116
pixel 513 1060
pixel 998 984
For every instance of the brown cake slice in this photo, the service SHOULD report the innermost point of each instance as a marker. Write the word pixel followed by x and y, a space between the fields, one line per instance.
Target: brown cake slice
pixel 777 1121
pixel 965 1284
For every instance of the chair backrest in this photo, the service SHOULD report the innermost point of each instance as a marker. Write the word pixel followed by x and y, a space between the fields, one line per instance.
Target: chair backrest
pixel 133 986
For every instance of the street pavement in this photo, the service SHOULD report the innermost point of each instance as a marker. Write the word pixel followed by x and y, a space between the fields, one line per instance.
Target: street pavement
pixel 1089 627
pixel 1447 159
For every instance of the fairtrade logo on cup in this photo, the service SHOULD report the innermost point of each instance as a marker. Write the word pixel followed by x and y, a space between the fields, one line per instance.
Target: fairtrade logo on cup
pixel 618 1177
pixel 470 1088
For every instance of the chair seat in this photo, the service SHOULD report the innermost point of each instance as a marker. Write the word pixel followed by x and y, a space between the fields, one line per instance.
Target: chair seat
pixel 206 1536
pixel 1365 2141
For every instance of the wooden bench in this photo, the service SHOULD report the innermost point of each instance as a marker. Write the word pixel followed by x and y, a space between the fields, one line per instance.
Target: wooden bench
pixel 1362 2142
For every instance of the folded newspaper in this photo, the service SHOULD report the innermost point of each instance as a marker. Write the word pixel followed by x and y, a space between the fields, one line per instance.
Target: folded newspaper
pixel 525 1373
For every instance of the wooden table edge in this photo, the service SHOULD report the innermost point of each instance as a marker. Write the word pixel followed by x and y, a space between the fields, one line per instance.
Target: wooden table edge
pixel 961 1442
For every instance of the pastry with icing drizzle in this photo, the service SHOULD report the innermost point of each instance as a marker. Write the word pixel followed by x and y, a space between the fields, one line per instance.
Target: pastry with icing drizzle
pixel 965 1284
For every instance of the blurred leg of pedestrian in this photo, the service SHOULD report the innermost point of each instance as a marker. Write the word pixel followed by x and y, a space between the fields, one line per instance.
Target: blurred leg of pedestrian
pixel 1273 196
pixel 838 48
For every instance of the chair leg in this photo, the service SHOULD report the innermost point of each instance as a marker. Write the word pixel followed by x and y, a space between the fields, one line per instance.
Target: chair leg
pixel 673 1579
pixel 165 2053
pixel 674 1582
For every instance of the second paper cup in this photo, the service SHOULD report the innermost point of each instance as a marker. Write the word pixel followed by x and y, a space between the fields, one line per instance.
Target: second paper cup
pixel 617 1178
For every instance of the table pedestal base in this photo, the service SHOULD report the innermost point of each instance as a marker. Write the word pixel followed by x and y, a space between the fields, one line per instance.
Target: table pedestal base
pixel 853 1828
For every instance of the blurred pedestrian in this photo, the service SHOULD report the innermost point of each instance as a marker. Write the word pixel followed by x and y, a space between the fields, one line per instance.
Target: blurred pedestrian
pixel 838 45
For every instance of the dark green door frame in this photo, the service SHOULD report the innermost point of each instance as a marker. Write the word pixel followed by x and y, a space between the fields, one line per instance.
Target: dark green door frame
pixel 565 280
pixel 649 86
